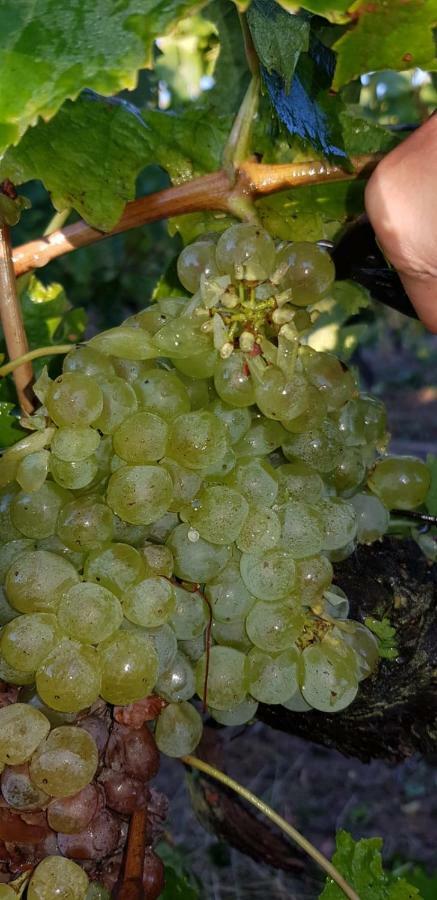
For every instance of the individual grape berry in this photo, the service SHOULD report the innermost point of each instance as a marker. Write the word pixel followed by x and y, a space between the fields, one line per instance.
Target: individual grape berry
pixel 273 627
pixel 141 438
pixel 313 576
pixel 306 269
pixel 54 875
pixel 115 567
pixel 35 512
pixel 263 437
pixel 72 814
pixel 197 440
pixel 28 639
pixel 69 678
pixel 195 559
pixel 303 529
pixel 255 479
pixel 227 683
pixel 32 471
pixel 195 260
pixel 200 366
pixel 36 581
pixel 74 399
pixel 373 518
pixel 162 393
pixel 233 382
pixel 261 530
pixel 181 338
pixel 228 595
pixel 140 494
pixel 217 513
pixel 177 682
pixel 124 342
pixel 20 792
pixel 65 762
pixel 129 668
pixel 178 729
pixel 85 524
pixel 149 603
pixel 246 251
pixel 89 362
pixel 22 728
pixel 74 475
pixel 300 482
pixel 400 482
pixel 319 448
pixel 272 679
pixel 236 419
pixel 326 373
pixel 73 443
pixel 328 679
pixel 238 715
pixel 339 521
pixel 190 615
pixel 268 576
pixel 231 634
pixel 119 401
pixel 89 613
pixel 281 397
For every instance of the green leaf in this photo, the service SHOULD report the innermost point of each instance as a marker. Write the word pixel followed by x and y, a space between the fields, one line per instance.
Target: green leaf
pixel 426 884
pixel 10 430
pixel 331 331
pixel 279 38
pixel 395 35
pixel 50 51
pixel 180 884
pixel 360 862
pixel 194 225
pixel 312 212
pixel 431 500
pixel 334 10
pixel 231 73
pixel 90 154
pixel 386 634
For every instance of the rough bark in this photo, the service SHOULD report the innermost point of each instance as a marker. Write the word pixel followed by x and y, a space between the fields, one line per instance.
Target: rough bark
pixel 395 713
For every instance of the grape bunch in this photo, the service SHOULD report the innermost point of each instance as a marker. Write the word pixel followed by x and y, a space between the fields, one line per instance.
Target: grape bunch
pixel 169 524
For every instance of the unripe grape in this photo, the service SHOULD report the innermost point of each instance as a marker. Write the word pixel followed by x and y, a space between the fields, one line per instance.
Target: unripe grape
pixel 400 482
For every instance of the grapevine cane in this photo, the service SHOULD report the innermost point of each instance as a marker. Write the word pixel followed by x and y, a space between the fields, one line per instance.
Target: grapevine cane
pixel 12 323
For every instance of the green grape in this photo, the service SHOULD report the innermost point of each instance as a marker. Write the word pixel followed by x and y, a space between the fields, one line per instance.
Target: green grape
pixel 140 494
pixel 339 521
pixel 35 513
pixel 7 612
pixel 96 891
pixel 151 319
pixel 364 421
pixel 74 442
pixel 219 471
pixel 165 644
pixel 119 401
pixel 7 893
pixel 178 729
pixel 56 877
pixel 163 394
pixel 228 595
pixel 141 438
pixel 14 676
pixel 54 545
pixel 261 530
pixel 326 373
pixel 300 482
pixel 74 475
pixel 373 518
pixel 193 648
pixel 149 603
pixel 328 680
pixel 350 472
pixel 195 260
pixel 74 399
pixel 56 718
pixel 172 306
pixel 280 396
pixel 268 576
pixel 125 343
pixel 186 482
pixel 313 416
pixel 400 482
pixel 26 641
pixel 272 627
pixel 263 437
pixel 296 703
pixel 306 269
pixel 126 533
pixel 272 679
pixel 236 419
pixel 365 645
pixel 69 677
pixel 227 682
pixel 303 529
pixel 89 613
pixel 8 469
pixel 36 581
pixel 233 381
pixel 231 634
pixel 158 559
pixel 190 614
pixel 313 577
pixel 177 683
pixel 319 448
pixel 132 370
pixel 22 728
pixel 162 528
pixel 88 362
pixel 197 440
pixel 200 391
pixel 180 338
pixel 10 551
pixel 115 567
pixel 217 513
pixel 32 470
pixel 203 365
pixel 20 793
pixel 195 559
pixel 66 762
pixel 85 524
pixel 129 668
pixel 238 715
pixel 256 479
pixel 8 531
pixel 246 251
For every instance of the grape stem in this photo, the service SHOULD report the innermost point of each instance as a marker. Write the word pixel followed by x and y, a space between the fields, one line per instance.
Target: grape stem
pixel 14 364
pixel 195 763
pixel 12 324
pixel 216 191
pixel 132 886
pixel 416 516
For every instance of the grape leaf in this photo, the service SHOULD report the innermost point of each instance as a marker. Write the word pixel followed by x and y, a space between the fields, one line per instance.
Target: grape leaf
pixel 279 38
pixel 386 635
pixel 50 51
pixel 313 212
pixel 361 864
pixel 231 74
pixel 180 884
pixel 396 35
pixel 334 10
pixel 90 154
pixel 10 431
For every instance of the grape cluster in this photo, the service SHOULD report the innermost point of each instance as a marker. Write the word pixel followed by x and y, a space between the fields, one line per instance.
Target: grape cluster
pixel 170 521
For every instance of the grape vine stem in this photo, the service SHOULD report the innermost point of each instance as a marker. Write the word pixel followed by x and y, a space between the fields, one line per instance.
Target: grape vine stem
pixel 220 191
pixel 12 323
pixel 195 763
pixel 19 361
pixel 132 886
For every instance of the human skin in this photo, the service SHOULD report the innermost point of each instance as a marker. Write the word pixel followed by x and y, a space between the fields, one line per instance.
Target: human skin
pixel 401 202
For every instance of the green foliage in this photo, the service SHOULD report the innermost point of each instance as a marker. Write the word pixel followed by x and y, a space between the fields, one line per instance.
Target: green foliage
pixel 10 430
pixel 425 884
pixel 334 330
pixel 396 35
pixel 50 51
pixel 312 212
pixel 279 38
pixel 179 882
pixel 360 862
pixel 386 634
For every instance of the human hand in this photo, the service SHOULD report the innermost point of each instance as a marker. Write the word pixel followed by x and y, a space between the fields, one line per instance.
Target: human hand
pixel 401 202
